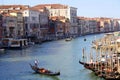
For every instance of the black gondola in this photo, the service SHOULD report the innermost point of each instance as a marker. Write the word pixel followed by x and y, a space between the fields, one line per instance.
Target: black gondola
pixel 44 71
pixel 81 62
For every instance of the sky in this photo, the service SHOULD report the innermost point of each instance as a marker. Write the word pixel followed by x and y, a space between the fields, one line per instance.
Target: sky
pixel 86 8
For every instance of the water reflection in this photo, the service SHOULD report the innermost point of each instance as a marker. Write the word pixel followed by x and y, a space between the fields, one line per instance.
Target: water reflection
pixel 94 77
pixel 55 55
pixel 51 77
pixel 35 76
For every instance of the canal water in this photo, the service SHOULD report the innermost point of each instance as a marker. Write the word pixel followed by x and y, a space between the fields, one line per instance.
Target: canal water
pixel 55 55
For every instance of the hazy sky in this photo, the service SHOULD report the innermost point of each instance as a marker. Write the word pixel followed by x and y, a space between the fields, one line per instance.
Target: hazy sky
pixel 88 8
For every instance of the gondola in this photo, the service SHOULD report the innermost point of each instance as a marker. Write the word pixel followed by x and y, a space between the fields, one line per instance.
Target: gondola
pixel 44 71
pixel 81 62
pixel 2 49
pixel 112 78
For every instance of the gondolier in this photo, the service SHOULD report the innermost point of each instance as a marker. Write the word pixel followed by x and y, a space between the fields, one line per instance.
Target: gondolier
pixel 36 63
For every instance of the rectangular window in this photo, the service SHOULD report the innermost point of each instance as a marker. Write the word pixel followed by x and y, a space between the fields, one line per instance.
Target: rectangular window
pixel 33 18
pixel 26 18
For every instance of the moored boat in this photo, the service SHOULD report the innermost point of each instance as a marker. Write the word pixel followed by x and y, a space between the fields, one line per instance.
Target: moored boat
pixel 112 77
pixel 11 43
pixel 44 71
pixel 2 49
pixel 81 62
pixel 68 39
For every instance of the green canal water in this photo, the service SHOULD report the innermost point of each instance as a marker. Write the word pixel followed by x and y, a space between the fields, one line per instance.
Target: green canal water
pixel 55 55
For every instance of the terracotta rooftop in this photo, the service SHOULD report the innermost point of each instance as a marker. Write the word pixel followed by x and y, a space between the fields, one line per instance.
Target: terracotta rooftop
pixel 52 6
pixel 32 8
pixel 96 18
pixel 59 18
pixel 13 7
pixel 5 14
pixel 9 11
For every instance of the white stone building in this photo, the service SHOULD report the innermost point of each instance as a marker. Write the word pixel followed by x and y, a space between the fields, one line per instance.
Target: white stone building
pixel 31 23
pixel 13 20
pixel 44 20
pixel 62 10
pixel 19 27
pixel 9 26
pixel 92 26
